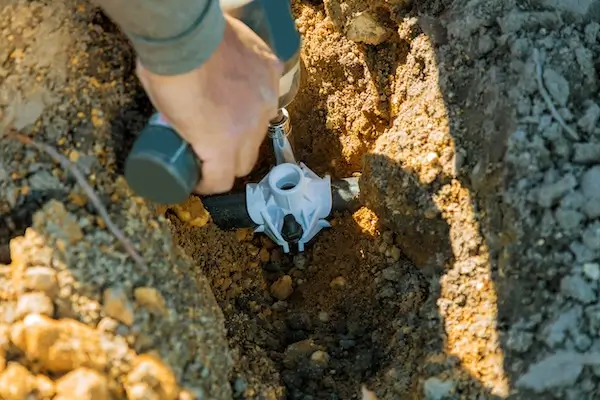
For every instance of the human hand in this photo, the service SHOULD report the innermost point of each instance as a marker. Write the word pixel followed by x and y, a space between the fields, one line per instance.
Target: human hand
pixel 223 108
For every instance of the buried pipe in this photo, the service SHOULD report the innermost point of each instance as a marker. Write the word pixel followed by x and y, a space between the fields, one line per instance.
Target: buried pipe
pixel 230 211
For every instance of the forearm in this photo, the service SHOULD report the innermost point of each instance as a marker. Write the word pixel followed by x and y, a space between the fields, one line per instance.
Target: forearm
pixel 170 36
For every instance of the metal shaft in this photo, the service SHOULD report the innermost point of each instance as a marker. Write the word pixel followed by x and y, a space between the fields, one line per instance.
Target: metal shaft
pixel 280 129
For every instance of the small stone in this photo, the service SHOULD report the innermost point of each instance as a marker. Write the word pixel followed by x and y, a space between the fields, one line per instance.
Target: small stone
pixel 391 274
pixel 16 382
pixel 338 283
pixel 300 261
pixel 151 299
pixel 296 352
pixel 34 303
pixel 45 387
pixel 320 358
pixel 264 255
pixel 590 183
pixel 41 279
pixel 83 383
pixel 282 288
pixel 279 306
pixel 592 271
pixel 59 346
pixel 108 324
pixel 148 369
pixel 366 29
pixel 117 305
pixel 142 391
pixel 576 287
pixel 324 316
pixel 437 389
pixel 395 253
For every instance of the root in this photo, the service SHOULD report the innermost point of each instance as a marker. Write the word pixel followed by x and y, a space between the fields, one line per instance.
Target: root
pixel 548 99
pixel 87 188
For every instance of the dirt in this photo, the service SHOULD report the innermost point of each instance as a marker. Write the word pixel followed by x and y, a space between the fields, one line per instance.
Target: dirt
pixel 472 270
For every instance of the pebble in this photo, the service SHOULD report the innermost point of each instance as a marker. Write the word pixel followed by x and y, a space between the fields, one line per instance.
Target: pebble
pixel 279 306
pixel 117 305
pixel 282 288
pixel 108 324
pixel 41 279
pixel 16 382
pixel 151 299
pixel 395 253
pixel 324 316
pixel 590 183
pixel 320 358
pixel 59 346
pixel 437 389
pixel 265 255
pixel 34 303
pixel 576 287
pixel 366 29
pixel 592 271
pixel 338 283
pixel 83 383
pixel 147 368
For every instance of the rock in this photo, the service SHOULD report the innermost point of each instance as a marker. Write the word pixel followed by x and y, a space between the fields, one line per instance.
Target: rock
pixel 34 303
pixel 590 183
pixel 592 271
pixel 574 286
pixel 29 111
pixel 365 28
pixel 151 299
pixel 324 316
pixel 59 346
pixel 437 389
pixel 117 305
pixel 555 371
pixel 16 382
pixel 590 119
pixel 519 341
pixel 549 194
pixel 338 283
pixel 282 288
pixel 395 253
pixel 41 279
pixel 320 358
pixel 557 86
pixel 141 391
pixel 591 236
pixel 586 153
pixel 264 255
pixel 391 274
pixel 569 220
pixel 45 387
pixel 84 384
pixel 152 372
pixel 567 322
pixel 296 352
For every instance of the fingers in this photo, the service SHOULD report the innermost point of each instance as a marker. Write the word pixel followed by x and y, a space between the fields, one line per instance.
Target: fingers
pixel 218 170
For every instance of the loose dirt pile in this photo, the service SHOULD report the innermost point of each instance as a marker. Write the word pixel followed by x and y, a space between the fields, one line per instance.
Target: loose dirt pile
pixel 472 272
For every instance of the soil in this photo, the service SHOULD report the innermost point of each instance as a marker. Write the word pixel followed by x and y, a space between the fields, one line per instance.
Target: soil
pixel 471 271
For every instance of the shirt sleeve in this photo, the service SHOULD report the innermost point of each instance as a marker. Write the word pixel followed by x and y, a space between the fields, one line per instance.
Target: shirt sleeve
pixel 169 36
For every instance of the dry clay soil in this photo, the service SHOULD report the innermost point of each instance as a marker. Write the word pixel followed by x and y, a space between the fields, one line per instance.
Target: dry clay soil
pixel 471 272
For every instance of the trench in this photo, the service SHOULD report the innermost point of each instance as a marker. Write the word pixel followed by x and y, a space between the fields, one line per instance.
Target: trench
pixel 348 311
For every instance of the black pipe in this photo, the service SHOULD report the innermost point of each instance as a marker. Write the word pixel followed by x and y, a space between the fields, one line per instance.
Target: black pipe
pixel 229 211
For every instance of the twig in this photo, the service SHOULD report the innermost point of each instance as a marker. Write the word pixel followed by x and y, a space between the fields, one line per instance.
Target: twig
pixel 548 99
pixel 89 191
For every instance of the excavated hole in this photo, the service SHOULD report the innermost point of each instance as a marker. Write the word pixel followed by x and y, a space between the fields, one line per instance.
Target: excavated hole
pixel 353 317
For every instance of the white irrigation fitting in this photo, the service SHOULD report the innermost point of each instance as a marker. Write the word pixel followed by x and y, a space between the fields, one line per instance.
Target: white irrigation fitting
pixel 290 190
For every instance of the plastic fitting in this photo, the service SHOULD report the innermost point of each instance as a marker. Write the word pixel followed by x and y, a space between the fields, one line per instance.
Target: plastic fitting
pixel 290 204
